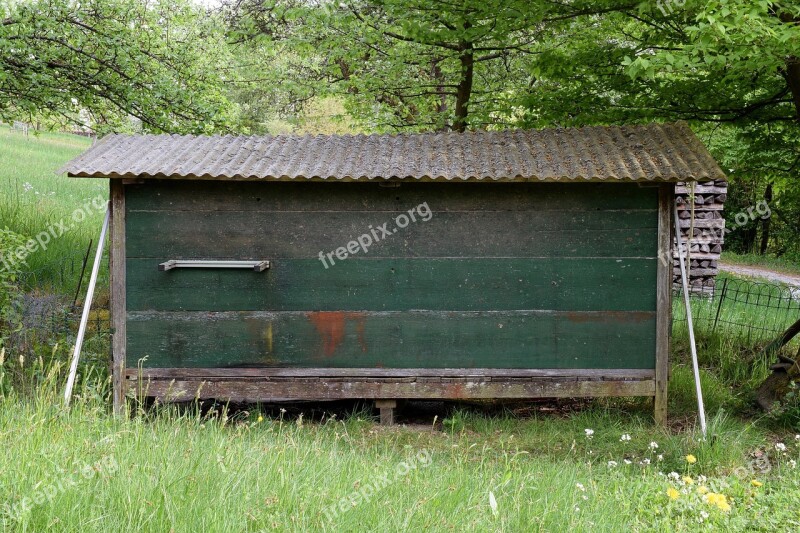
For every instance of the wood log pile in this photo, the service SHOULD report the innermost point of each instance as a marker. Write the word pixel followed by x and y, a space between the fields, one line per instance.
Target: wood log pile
pixel 703 231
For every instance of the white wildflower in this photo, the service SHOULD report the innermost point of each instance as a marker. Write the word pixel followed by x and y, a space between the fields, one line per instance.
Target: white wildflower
pixel 589 433
pixel 781 447
pixel 625 437
pixel 654 445
pixel 580 487
pixel 674 475
pixel 612 464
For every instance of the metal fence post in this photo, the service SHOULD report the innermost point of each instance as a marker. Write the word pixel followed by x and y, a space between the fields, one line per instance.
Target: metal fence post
pixel 719 306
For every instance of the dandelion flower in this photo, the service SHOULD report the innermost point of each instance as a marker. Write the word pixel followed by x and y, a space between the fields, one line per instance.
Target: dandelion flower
pixel 756 483
pixel 691 459
pixel 260 418
pixel 718 500
pixel 688 480
pixel 702 490
pixel 673 494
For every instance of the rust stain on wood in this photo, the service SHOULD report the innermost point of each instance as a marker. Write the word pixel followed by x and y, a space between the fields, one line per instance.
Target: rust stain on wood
pixel 610 316
pixel 331 327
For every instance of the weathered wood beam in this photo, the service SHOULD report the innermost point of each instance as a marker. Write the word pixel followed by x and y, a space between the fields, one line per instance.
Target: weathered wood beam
pixel 118 295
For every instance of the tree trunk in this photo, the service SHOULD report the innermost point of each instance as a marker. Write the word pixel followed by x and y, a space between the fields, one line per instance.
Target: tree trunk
pixel 464 86
pixel 765 222
pixel 792 73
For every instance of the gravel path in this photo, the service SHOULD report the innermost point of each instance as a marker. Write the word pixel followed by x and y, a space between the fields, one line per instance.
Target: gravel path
pixel 761 272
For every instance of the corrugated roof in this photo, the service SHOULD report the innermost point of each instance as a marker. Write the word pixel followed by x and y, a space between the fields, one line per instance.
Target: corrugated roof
pixel 665 152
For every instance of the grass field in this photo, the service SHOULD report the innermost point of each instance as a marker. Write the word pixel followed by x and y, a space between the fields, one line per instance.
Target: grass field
pixel 34 199
pixel 589 465
pixel 179 471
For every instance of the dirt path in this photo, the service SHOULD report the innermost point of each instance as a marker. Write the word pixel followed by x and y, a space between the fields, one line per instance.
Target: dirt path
pixel 761 272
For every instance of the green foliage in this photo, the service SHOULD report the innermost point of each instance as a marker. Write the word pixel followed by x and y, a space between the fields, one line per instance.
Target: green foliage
pixel 99 61
pixel 409 64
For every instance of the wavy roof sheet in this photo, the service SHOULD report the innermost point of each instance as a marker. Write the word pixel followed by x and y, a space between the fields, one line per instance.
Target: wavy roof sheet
pixel 666 152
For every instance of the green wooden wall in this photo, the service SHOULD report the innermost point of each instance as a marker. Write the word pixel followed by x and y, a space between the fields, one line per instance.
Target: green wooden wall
pixel 524 275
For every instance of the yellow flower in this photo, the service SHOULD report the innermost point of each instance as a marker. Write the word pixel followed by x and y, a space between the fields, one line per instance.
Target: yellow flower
pixel 718 500
pixel 260 418
pixel 673 493
pixel 702 490
pixel 691 459
pixel 756 483
pixel 688 480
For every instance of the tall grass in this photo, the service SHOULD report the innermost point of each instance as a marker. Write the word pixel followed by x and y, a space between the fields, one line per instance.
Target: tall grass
pixel 184 469
pixel 33 198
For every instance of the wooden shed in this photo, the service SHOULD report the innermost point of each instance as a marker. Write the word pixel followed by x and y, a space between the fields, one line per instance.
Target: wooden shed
pixel 515 264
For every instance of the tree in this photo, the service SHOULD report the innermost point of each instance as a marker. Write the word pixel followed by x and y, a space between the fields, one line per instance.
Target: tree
pixel 416 64
pixel 153 60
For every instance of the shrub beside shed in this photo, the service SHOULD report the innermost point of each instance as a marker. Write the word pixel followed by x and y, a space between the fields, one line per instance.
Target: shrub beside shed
pixel 517 264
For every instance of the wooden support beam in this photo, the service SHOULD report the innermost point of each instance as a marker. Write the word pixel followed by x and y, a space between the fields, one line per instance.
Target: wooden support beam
pixel 663 301
pixel 260 390
pixel 387 408
pixel 118 295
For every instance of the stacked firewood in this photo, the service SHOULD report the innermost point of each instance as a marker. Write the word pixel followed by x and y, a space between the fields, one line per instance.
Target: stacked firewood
pixel 703 232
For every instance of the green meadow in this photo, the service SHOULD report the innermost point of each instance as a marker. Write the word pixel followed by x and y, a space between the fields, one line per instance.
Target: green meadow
pixel 33 199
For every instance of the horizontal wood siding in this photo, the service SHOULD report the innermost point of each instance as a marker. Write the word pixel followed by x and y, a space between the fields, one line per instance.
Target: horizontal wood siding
pixel 502 276
pixel 458 284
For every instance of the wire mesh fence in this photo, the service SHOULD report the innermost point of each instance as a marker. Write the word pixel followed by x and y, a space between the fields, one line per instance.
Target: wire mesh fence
pixel 747 311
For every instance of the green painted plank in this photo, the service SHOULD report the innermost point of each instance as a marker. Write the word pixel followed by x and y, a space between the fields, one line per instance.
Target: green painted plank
pixel 360 283
pixel 271 196
pixel 519 339
pixel 272 235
